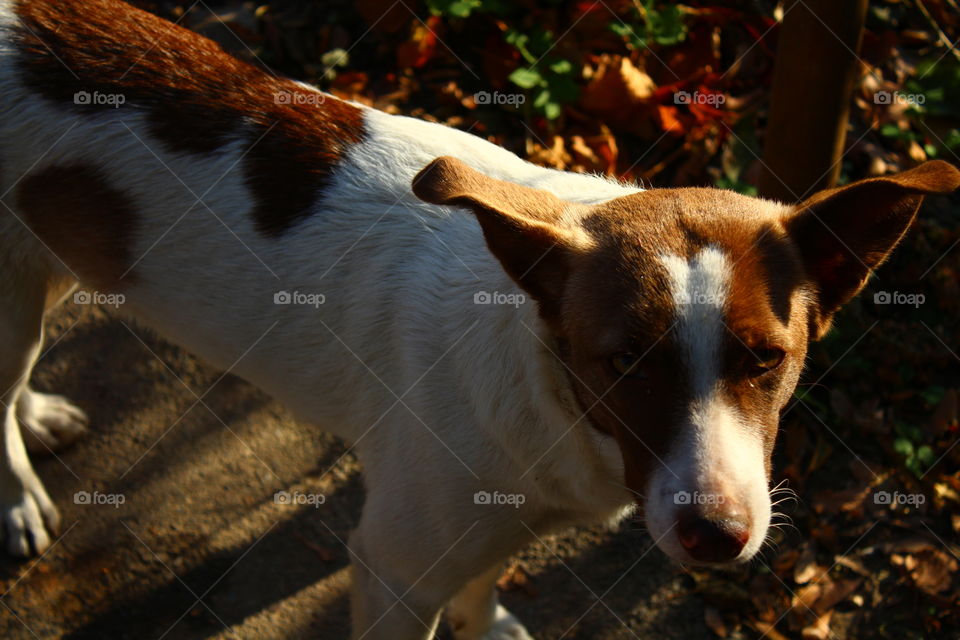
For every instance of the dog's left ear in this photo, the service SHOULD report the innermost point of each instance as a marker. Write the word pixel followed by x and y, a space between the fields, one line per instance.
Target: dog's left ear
pixel 843 234
pixel 522 225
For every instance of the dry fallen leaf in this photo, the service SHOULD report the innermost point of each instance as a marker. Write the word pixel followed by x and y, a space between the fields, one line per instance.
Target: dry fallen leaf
pixel 932 571
pixel 835 592
pixel 819 630
pixel 714 621
pixel 555 157
pixel 516 578
pixel 616 94
pixel 806 567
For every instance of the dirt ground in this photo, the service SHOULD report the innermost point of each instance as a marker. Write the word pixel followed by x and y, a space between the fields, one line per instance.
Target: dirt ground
pixel 199 549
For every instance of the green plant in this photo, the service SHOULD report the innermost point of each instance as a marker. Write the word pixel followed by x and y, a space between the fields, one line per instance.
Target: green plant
pixel 916 457
pixel 551 80
pixel 664 26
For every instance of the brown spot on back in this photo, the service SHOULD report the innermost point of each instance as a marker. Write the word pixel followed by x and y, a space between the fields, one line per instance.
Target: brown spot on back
pixel 196 97
pixel 85 221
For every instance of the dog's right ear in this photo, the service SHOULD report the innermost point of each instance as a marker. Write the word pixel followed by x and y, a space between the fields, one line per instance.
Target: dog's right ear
pixel 521 225
pixel 843 234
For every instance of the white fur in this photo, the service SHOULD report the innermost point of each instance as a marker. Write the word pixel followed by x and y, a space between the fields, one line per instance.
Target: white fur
pixel 440 397
pixel 717 456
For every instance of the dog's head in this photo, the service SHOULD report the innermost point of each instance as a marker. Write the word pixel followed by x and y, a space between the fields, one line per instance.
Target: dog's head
pixel 683 317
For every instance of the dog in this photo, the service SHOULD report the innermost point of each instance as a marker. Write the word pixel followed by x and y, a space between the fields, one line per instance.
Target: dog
pixel 509 349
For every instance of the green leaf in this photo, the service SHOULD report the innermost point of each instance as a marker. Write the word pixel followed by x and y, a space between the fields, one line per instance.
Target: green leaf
pixel 890 130
pixel 561 66
pixel 526 78
pixel 667 25
pixel 541 99
pixel 904 447
pixel 552 110
pixel 453 8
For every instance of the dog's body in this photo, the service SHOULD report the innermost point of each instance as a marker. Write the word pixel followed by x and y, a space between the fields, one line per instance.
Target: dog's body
pixel 278 237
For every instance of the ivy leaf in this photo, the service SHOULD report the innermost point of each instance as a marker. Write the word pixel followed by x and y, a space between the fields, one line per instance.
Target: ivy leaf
pixel 526 78
pixel 453 8
pixel 667 25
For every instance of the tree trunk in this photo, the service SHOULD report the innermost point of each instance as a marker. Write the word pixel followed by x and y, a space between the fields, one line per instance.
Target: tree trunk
pixel 813 82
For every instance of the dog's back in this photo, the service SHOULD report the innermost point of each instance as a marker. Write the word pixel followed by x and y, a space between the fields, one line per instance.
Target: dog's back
pixel 278 221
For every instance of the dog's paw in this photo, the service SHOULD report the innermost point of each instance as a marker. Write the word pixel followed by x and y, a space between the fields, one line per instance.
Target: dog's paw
pixel 506 627
pixel 49 422
pixel 27 516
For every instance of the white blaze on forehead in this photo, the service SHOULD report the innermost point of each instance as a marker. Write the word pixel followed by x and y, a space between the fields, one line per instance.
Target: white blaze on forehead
pixel 699 288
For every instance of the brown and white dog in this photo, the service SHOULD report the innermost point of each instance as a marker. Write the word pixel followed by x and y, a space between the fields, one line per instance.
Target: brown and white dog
pixel 509 349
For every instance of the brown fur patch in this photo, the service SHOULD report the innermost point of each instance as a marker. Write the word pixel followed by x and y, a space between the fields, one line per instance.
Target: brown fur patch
pixel 619 299
pixel 86 222
pixel 196 97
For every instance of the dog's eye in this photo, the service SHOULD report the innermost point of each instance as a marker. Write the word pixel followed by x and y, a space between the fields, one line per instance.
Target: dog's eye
pixel 628 365
pixel 765 359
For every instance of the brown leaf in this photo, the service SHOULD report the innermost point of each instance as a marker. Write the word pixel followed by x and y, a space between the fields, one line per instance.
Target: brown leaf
pixel 785 561
pixel 854 564
pixel 617 92
pixel 806 567
pixel 947 414
pixel 819 630
pixel 713 619
pixel 516 578
pixel 767 629
pixel 932 571
pixel 555 157
pixel 836 592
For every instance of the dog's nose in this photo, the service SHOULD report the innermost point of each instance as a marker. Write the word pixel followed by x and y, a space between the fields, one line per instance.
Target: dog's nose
pixel 719 538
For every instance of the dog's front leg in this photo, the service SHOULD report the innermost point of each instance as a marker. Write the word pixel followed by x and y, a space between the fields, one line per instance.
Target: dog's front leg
pixel 26 511
pixel 417 549
pixel 393 597
pixel 475 613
